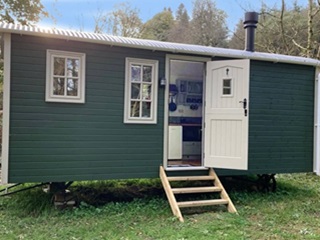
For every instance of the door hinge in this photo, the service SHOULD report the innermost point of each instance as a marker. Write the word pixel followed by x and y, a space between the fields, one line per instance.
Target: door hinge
pixel 204 125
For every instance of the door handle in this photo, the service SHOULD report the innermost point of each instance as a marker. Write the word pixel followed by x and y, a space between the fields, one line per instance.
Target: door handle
pixel 244 102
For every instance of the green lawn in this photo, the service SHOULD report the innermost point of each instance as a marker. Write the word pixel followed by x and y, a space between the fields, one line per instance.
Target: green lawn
pixel 292 212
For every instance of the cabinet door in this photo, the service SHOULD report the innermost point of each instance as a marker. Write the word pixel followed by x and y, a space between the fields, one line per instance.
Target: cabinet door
pixel 175 142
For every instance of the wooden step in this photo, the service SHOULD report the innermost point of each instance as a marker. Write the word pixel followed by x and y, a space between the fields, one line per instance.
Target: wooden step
pixel 190 178
pixel 216 187
pixel 195 190
pixel 202 203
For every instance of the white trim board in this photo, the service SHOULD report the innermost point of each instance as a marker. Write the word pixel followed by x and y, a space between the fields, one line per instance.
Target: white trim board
pixel 6 109
pixel 316 147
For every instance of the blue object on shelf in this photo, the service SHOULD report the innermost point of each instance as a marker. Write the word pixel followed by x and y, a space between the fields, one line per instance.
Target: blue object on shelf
pixel 173 89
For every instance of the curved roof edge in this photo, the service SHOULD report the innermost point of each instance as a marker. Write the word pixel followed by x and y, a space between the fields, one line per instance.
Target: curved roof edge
pixel 153 45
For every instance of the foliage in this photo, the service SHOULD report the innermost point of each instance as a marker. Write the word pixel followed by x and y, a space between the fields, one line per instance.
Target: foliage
pixel 23 11
pixel 290 213
pixel 285 31
pixel 180 31
pixel 158 28
pixel 208 24
pixel 123 21
pixel 237 40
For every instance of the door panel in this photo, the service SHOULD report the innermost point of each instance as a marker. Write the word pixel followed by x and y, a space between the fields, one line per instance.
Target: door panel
pixel 226 114
pixel 175 142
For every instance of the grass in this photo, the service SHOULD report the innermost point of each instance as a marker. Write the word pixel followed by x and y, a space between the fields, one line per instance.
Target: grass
pixel 142 212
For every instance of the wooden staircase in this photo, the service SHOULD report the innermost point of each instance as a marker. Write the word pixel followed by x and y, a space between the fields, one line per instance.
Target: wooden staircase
pixel 216 187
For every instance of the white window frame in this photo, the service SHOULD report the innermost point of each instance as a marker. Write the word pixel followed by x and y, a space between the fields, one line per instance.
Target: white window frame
pixel 50 97
pixel 231 87
pixel 154 91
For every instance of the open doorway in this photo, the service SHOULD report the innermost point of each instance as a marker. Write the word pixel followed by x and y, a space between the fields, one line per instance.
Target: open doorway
pixel 185 111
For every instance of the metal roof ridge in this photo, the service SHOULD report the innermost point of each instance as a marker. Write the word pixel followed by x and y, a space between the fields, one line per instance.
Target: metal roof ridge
pixel 154 45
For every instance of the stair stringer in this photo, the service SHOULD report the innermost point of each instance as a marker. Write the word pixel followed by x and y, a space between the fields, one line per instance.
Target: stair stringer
pixel 171 198
pixel 175 206
pixel 223 194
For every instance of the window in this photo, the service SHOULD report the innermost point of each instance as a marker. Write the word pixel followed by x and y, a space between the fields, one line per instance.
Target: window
pixel 141 89
pixel 227 87
pixel 65 77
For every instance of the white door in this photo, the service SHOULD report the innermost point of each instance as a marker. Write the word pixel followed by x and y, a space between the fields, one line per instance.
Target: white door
pixel 226 114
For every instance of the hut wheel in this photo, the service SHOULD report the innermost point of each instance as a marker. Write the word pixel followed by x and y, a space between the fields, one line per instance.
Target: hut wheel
pixel 267 182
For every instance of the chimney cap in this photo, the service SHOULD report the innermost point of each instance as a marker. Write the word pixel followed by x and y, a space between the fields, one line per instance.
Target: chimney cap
pixel 251 18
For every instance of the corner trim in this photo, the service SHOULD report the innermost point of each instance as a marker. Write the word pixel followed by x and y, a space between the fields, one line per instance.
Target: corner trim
pixel 316 142
pixel 6 108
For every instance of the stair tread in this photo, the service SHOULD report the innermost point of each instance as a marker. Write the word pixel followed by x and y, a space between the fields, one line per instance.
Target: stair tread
pixel 196 189
pixel 216 187
pixel 202 203
pixel 190 178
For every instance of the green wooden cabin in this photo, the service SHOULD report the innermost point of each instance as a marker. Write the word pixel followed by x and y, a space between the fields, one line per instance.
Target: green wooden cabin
pixel 84 106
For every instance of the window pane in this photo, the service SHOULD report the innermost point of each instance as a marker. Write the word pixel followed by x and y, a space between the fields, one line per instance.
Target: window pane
pixel 146 111
pixel 146 91
pixel 72 87
pixel 58 66
pixel 135 109
pixel 73 67
pixel 135 91
pixel 227 82
pixel 226 91
pixel 58 86
pixel 135 73
pixel 147 71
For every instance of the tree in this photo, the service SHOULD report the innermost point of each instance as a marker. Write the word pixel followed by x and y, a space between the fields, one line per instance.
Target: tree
pixel 24 12
pixel 208 24
pixel 279 29
pixel 292 31
pixel 158 28
pixel 313 48
pixel 180 32
pixel 123 21
pixel 238 38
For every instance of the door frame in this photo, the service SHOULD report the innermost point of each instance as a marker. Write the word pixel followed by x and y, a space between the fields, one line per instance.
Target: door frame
pixel 166 103
pixel 6 109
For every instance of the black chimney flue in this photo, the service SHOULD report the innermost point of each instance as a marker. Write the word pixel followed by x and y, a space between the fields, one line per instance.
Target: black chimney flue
pixel 250 23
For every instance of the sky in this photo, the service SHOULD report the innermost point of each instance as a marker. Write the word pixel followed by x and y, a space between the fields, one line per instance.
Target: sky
pixel 79 14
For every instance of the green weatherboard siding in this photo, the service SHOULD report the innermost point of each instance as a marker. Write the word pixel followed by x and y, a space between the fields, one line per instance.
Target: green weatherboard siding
pixel 281 118
pixel 63 142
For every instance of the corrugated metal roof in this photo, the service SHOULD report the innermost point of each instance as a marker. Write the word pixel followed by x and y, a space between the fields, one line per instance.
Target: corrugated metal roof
pixel 153 45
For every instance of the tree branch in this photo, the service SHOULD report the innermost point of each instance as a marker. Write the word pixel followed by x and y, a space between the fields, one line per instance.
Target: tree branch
pixel 282 27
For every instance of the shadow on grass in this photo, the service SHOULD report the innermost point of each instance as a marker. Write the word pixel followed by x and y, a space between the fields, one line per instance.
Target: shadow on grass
pixel 242 190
